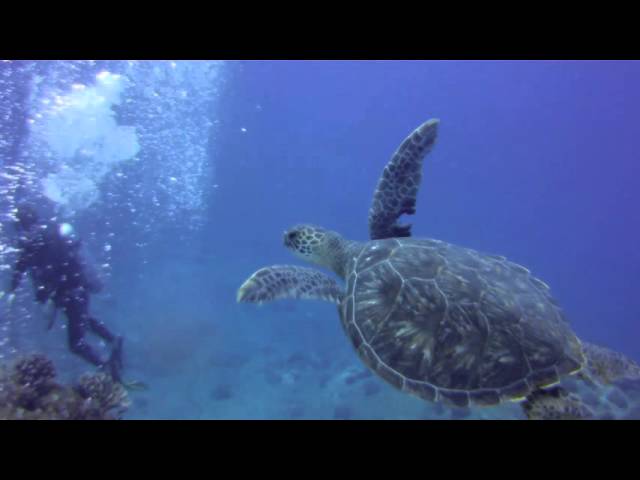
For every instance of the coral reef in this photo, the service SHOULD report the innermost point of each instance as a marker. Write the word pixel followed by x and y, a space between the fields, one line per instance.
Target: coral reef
pixel 103 398
pixel 32 378
pixel 28 391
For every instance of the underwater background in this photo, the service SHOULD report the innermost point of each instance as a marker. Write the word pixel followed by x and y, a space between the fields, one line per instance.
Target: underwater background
pixel 181 176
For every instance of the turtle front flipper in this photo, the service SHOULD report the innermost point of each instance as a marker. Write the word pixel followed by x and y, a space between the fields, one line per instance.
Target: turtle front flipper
pixel 608 366
pixel 555 404
pixel 287 281
pixel 398 187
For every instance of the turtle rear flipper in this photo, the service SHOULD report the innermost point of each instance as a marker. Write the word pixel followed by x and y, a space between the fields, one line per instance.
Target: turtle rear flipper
pixel 398 187
pixel 287 281
pixel 555 404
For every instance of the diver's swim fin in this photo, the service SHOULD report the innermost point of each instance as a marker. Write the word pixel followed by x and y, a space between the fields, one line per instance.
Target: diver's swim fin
pixel 117 352
pixel 52 315
pixel 115 360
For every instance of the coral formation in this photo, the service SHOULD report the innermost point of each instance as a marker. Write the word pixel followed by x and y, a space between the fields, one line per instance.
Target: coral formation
pixel 32 378
pixel 103 398
pixel 28 391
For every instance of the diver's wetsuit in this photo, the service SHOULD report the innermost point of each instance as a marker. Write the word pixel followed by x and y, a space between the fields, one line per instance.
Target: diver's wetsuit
pixel 59 273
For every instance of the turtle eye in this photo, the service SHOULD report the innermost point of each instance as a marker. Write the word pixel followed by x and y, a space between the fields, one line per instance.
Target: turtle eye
pixel 292 235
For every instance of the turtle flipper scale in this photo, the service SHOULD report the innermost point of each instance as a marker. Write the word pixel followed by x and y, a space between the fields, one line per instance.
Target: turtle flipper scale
pixel 608 366
pixel 287 281
pixel 398 186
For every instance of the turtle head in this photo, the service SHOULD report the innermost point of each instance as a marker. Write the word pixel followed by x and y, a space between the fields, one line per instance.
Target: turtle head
pixel 313 244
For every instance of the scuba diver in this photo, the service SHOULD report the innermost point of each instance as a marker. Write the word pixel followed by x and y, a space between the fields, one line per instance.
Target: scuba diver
pixel 51 255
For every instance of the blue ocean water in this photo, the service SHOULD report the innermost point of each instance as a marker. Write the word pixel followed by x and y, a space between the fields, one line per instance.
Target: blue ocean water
pixel 182 176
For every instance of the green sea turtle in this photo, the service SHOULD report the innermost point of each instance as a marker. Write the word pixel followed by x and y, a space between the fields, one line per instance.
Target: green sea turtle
pixel 443 322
